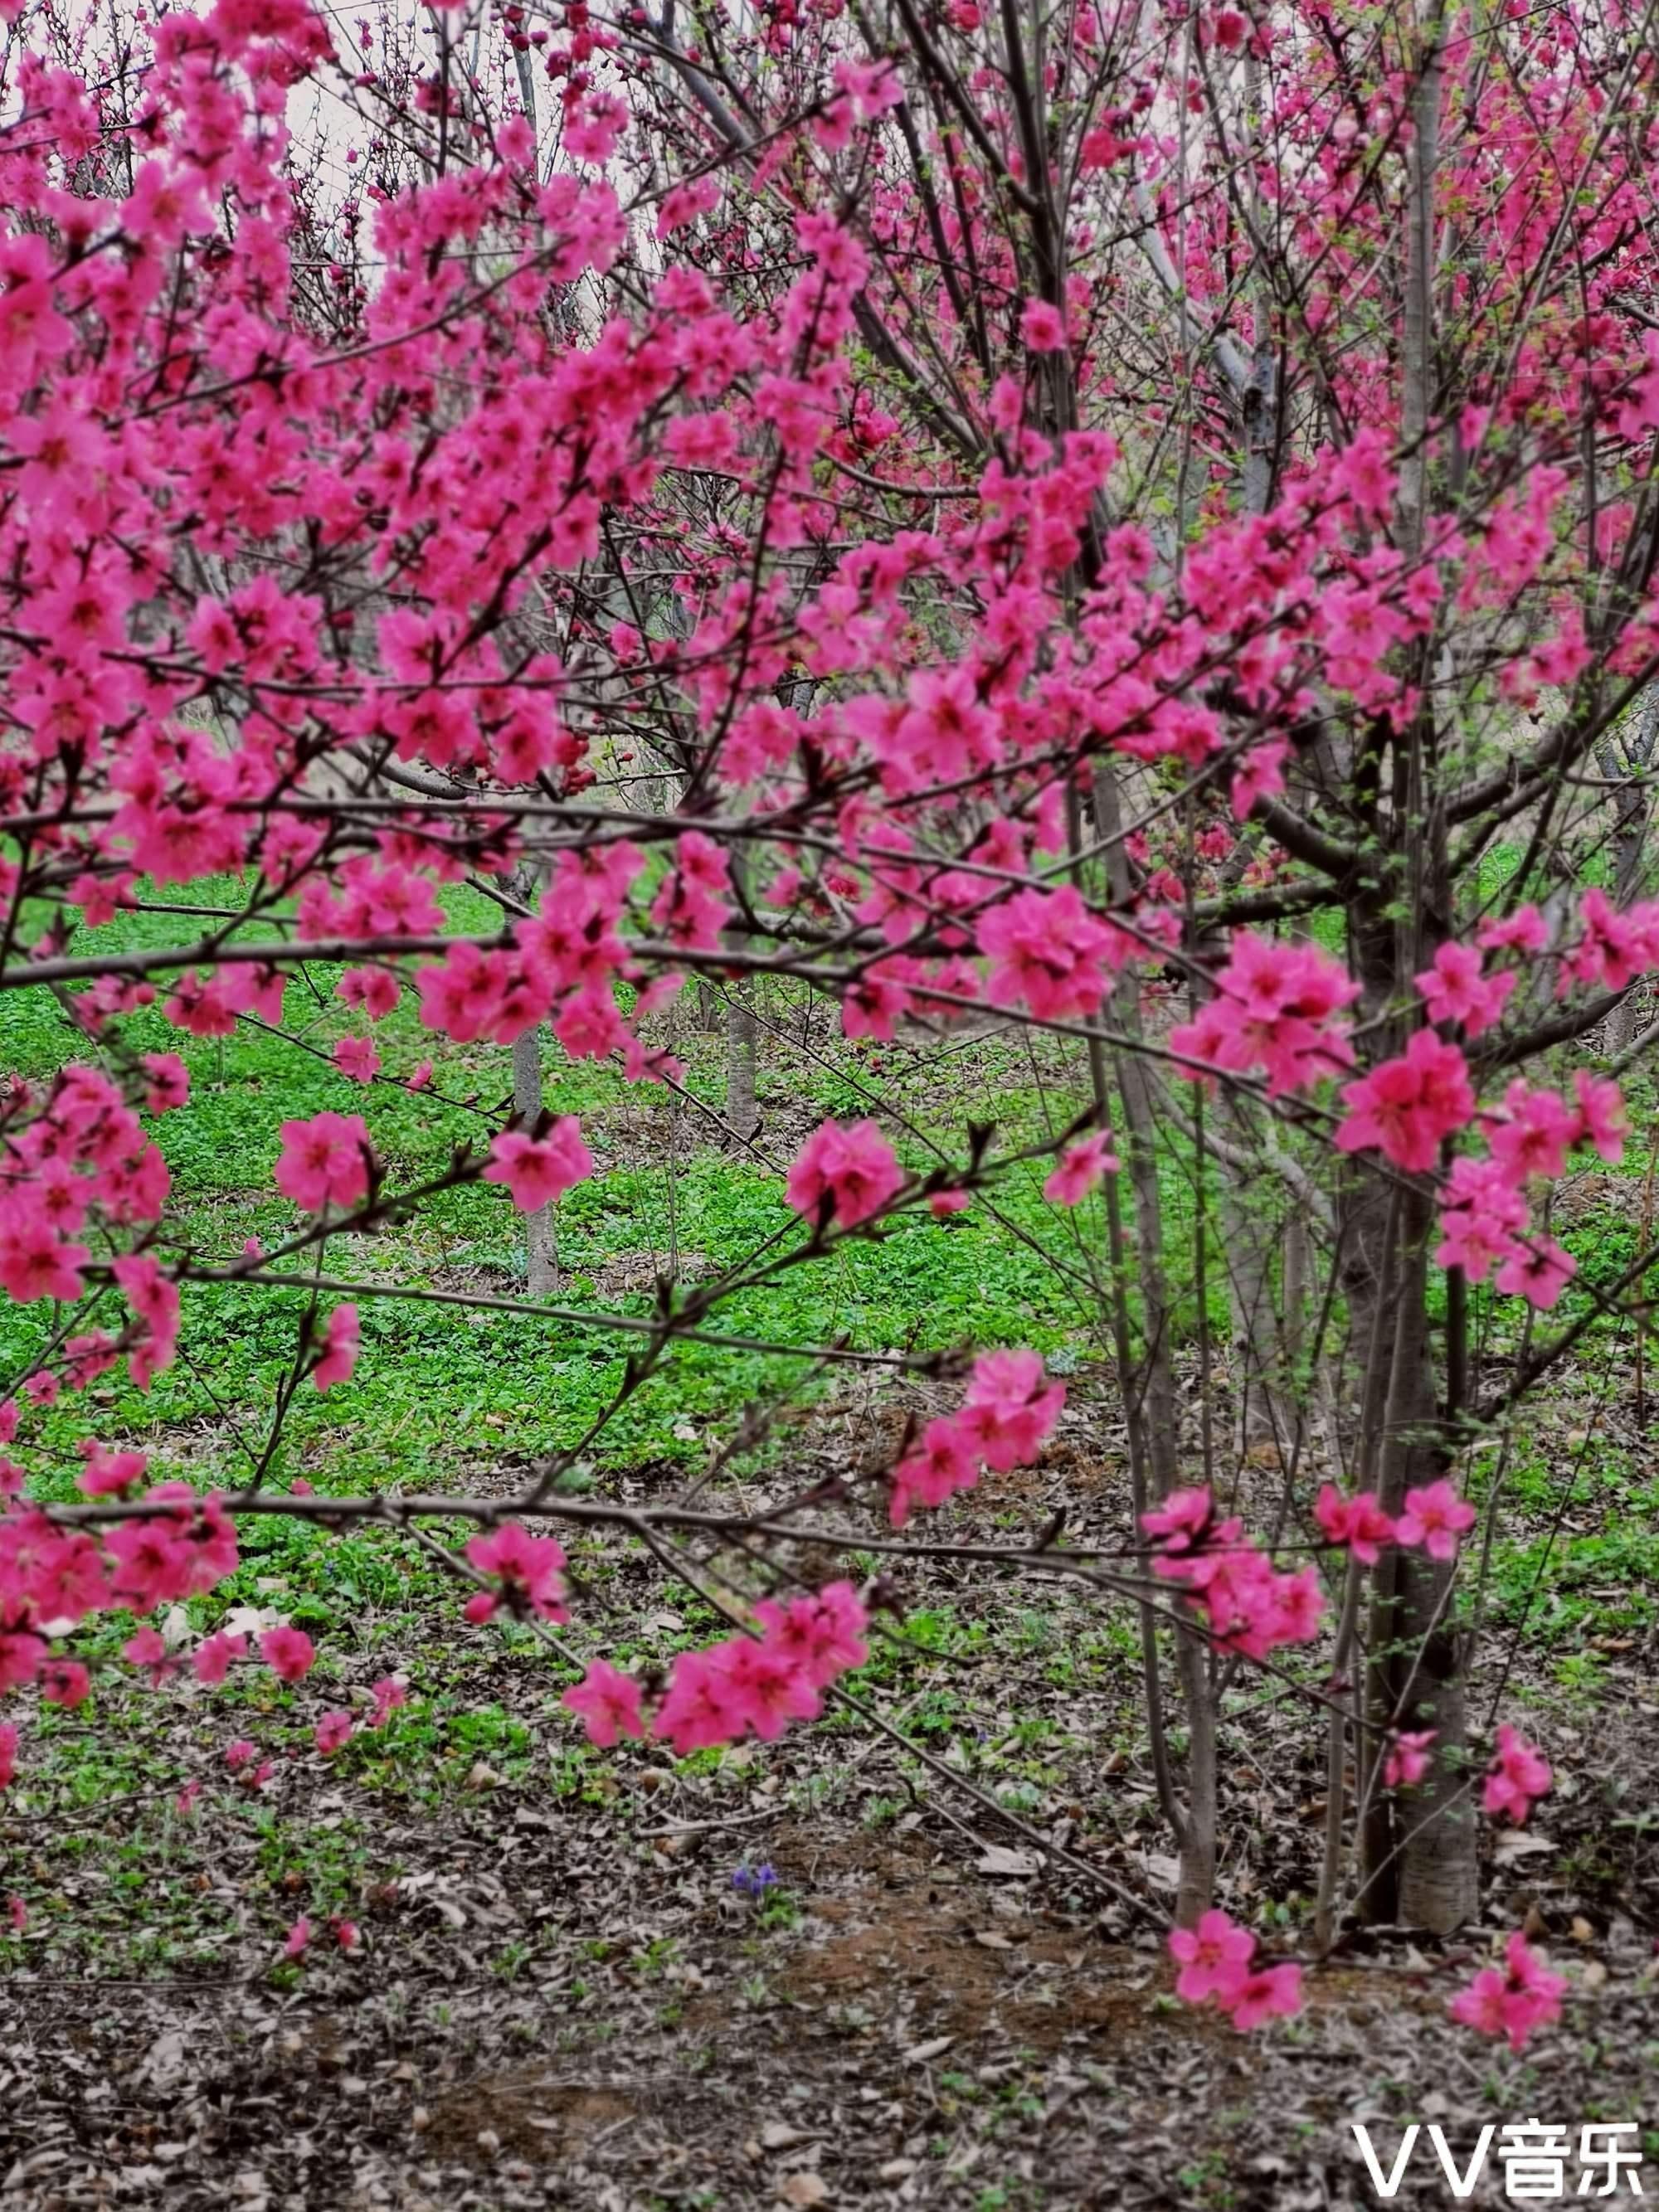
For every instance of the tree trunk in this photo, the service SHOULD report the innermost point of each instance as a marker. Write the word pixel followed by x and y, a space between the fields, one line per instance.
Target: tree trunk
pixel 1418 1855
pixel 1258 1343
pixel 1629 761
pixel 1158 1411
pixel 742 1116
pixel 541 1251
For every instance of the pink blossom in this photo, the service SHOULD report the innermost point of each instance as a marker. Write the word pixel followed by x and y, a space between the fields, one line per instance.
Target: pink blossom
pixel 324 1161
pixel 1215 1963
pixel 1048 953
pixel 537 1169
pixel 298 1940
pixel 1010 1409
pixel 1523 931
pixel 1405 1761
pixel 376 990
pixel 356 1059
pixel 524 1571
pixel 607 1702
pixel 1537 1269
pixel 1183 1520
pixel 766 1685
pixel 1455 990
pixel 389 1695
pixel 1483 1214
pixel 288 1652
pixel 147 1651
pixel 169 1082
pixel 8 1753
pixel 1434 1518
pixel 240 1753
pixel 943 1462
pixel 1214 1958
pixel 1514 2002
pixel 1358 1522
pixel 1601 1121
pixel 1273 1994
pixel 1079 1170
pixel 345 1932
pixel 65 1683
pixel 1533 1135
pixel 1043 327
pixel 846 1174
pixel 1259 775
pixel 1406 1106
pixel 1277 1007
pixel 1518 1774
pixel 185 1803
pixel 35 1263
pixel 822 1635
pixel 108 1474
pixel 213 1660
pixel 331 1731
pixel 339 1356
pixel 701 1706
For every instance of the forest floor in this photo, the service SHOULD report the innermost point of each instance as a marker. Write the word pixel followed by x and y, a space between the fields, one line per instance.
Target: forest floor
pixel 559 1996
pixel 954 1992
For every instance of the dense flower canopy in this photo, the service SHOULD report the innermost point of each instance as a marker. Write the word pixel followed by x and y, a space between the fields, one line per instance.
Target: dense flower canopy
pixel 1043 593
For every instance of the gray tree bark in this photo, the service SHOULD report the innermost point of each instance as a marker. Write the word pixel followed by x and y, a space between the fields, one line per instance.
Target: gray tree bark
pixel 540 1247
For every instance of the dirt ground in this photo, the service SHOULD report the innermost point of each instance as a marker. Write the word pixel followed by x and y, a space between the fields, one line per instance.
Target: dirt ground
pixel 925 2036
pixel 560 1997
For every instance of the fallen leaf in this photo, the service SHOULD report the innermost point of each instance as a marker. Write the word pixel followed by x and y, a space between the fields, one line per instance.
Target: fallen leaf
pixel 920 2053
pixel 998 1859
pixel 1514 1844
pixel 803 2191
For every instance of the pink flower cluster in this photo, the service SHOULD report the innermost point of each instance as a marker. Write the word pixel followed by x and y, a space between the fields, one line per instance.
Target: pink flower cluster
pixel 562 961
pixel 55 1575
pixel 1008 1412
pixel 1078 1168
pixel 746 1685
pixel 844 1174
pixel 1514 2002
pixel 523 1574
pixel 1214 1959
pixel 1434 1519
pixel 1405 1761
pixel 1050 954
pixel 325 1162
pixel 1456 991
pixel 1251 1605
pixel 537 1169
pixel 337 1358
pixel 1407 1107
pixel 1275 1009
pixel 77 1160
pixel 1484 1211
pixel 1519 1773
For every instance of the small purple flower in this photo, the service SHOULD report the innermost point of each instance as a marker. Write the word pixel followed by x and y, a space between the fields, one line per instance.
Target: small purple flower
pixel 753 1882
